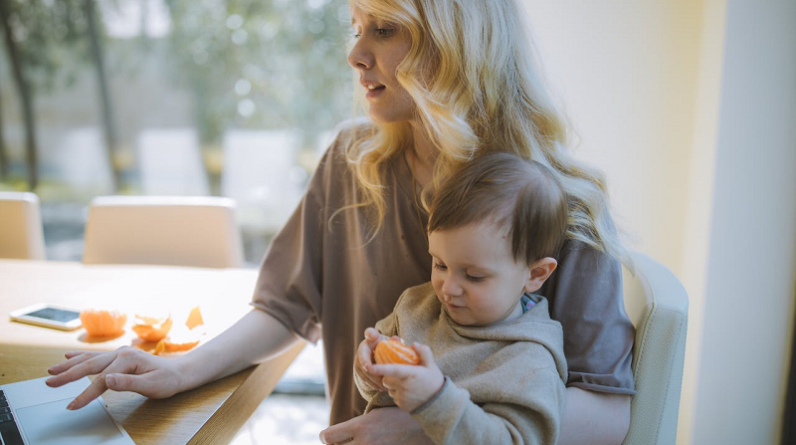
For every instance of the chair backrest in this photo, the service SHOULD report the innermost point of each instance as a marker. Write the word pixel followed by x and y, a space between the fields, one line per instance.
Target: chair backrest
pixel 21 233
pixel 180 231
pixel 657 304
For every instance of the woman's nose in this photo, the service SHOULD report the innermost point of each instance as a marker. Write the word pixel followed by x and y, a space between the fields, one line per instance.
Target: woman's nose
pixel 360 57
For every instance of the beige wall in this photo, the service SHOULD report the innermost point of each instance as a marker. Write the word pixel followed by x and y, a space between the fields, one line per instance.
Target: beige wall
pixel 690 109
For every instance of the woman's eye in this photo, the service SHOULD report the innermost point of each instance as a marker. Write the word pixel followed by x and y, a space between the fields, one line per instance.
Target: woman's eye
pixel 384 32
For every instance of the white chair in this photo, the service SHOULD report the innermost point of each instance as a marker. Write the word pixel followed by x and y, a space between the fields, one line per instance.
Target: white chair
pixel 657 304
pixel 180 231
pixel 21 233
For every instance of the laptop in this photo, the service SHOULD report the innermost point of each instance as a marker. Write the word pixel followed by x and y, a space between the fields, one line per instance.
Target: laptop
pixel 32 413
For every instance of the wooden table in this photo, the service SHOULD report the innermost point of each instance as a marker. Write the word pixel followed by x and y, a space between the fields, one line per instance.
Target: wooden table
pixel 210 414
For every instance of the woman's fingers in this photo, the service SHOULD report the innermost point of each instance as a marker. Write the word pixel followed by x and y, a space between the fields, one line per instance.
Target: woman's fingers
pixel 130 370
pixel 340 433
pixel 94 390
pixel 73 359
pixel 80 366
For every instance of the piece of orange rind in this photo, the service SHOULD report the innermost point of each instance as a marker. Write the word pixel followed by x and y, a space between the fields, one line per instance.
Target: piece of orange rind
pixel 152 329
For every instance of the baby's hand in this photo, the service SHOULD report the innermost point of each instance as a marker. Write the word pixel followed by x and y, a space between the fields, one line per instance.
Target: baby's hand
pixel 411 386
pixel 364 359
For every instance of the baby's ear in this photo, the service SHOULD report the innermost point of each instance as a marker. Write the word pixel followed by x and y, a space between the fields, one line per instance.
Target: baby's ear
pixel 538 272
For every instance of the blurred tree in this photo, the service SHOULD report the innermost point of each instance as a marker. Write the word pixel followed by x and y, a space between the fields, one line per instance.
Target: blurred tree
pixel 108 124
pixel 8 15
pixel 261 64
pixel 3 149
pixel 45 42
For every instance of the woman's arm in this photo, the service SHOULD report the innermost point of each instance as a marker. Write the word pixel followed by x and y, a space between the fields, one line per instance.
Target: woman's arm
pixel 252 339
pixel 592 418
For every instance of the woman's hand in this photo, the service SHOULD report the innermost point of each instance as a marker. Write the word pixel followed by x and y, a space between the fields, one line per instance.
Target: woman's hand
pixel 125 369
pixel 363 362
pixel 383 426
pixel 411 386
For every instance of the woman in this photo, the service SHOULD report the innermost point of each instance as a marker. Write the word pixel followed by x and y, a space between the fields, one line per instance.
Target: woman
pixel 445 80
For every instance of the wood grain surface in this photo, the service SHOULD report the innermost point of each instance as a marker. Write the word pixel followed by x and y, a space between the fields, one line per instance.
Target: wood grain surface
pixel 210 414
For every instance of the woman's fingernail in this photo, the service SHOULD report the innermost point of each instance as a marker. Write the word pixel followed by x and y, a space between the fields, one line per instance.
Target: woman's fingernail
pixel 71 406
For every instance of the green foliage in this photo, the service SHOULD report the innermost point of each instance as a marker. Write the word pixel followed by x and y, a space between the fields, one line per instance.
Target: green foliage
pixel 262 64
pixel 51 39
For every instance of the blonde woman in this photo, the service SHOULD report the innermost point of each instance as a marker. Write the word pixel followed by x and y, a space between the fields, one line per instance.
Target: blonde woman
pixel 444 81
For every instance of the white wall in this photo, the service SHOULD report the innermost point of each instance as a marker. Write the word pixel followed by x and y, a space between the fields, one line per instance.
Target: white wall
pixel 626 72
pixel 748 304
pixel 690 108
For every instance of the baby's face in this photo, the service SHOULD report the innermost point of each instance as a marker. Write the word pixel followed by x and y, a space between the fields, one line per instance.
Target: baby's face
pixel 474 274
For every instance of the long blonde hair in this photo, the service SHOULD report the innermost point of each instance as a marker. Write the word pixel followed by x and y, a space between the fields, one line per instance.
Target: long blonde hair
pixel 484 93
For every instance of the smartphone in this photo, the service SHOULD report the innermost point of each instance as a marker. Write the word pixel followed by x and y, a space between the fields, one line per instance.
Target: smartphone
pixel 48 316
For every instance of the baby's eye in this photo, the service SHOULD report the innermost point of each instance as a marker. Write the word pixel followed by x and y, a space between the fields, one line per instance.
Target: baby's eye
pixel 474 278
pixel 440 266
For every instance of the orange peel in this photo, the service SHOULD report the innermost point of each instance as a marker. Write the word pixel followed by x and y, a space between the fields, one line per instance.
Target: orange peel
pixel 179 340
pixel 152 328
pixel 194 318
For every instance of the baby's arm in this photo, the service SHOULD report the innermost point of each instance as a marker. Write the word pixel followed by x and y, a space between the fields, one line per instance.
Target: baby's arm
pixel 513 407
pixel 512 418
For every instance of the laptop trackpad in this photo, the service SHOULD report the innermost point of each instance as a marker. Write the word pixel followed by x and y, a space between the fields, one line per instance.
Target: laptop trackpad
pixel 52 423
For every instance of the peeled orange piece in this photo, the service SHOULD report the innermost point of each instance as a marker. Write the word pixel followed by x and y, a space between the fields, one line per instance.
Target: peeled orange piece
pixel 103 323
pixel 395 352
pixel 152 328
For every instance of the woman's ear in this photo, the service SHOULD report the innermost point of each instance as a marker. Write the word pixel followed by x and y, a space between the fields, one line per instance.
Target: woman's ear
pixel 538 272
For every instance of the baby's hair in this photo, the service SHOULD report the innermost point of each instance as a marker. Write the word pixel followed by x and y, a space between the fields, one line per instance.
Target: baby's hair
pixel 521 196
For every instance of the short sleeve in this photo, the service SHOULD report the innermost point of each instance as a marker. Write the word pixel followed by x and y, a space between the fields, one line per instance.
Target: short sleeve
pixel 585 294
pixel 289 285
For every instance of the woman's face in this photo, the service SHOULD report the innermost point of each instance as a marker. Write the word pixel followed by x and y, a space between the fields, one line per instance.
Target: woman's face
pixel 379 48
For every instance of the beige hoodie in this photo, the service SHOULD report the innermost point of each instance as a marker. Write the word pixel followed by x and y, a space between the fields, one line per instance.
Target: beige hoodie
pixel 504 382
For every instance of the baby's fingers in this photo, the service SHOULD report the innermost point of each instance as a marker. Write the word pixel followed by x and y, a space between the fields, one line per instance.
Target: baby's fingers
pixel 426 357
pixel 395 371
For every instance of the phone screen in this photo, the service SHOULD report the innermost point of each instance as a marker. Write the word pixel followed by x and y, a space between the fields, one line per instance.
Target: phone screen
pixel 50 313
pixel 48 316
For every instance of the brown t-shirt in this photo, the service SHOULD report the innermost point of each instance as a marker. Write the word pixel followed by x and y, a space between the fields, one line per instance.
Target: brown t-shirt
pixel 321 278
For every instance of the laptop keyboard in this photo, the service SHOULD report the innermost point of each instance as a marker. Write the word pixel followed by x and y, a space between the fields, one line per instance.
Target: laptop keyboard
pixel 9 431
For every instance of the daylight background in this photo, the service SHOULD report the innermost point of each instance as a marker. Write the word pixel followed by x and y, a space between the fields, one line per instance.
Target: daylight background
pixel 687 105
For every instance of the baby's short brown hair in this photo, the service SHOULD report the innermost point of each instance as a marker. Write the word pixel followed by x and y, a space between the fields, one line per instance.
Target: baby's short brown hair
pixel 508 191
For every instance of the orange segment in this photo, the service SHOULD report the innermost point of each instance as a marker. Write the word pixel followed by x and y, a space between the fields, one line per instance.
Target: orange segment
pixel 103 323
pixel 396 352
pixel 151 328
